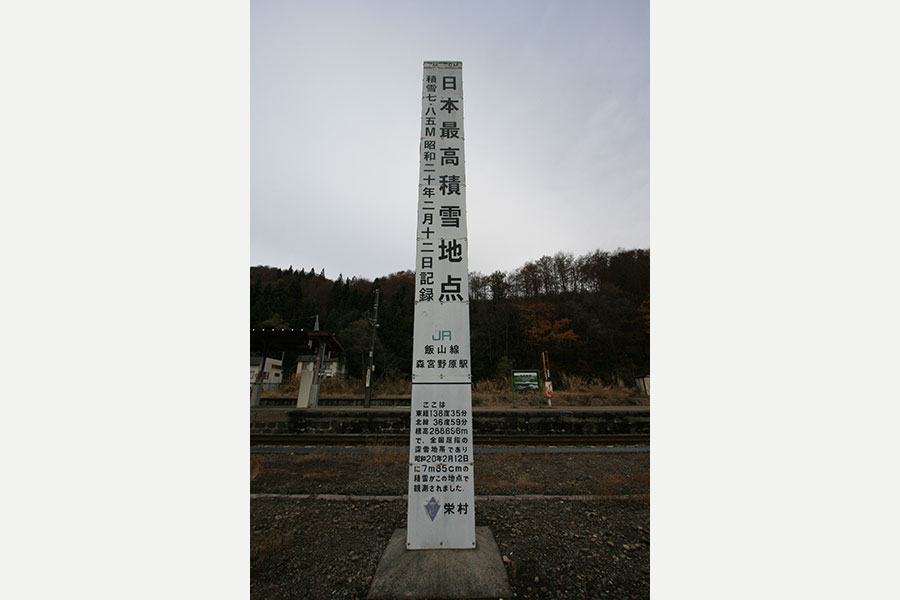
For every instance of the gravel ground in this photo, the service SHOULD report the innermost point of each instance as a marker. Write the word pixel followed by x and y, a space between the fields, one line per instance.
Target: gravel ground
pixel 385 471
pixel 560 548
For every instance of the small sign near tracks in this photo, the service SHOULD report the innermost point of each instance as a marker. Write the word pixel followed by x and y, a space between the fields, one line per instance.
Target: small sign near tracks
pixel 526 381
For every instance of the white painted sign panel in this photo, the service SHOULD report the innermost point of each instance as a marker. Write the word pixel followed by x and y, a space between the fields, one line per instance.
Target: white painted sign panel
pixel 441 508
pixel 441 353
pixel 441 505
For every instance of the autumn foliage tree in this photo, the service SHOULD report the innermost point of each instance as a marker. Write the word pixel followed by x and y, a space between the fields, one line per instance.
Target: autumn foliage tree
pixel 542 328
pixel 644 309
pixel 591 311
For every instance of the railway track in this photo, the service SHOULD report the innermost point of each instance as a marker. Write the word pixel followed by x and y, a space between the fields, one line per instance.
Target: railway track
pixel 402 439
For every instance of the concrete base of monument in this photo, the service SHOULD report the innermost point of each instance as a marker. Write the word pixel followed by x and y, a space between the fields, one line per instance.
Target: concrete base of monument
pixel 434 574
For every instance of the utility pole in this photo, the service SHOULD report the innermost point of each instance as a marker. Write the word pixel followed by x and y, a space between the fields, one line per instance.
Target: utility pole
pixel 317 367
pixel 374 323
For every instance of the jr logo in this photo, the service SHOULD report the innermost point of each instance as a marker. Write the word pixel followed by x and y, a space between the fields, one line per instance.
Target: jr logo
pixel 442 335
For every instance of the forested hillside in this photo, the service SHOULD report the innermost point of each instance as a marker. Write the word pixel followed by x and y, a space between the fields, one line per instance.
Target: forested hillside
pixel 591 312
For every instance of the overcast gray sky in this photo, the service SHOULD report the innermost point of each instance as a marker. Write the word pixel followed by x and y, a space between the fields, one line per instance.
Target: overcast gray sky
pixel 557 129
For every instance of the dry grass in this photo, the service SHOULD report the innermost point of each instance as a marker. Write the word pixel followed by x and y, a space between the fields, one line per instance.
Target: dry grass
pixel 497 392
pixel 616 483
pixel 495 387
pixel 263 548
pixel 255 467
pixel 382 457
pixel 568 391
pixel 524 483
pixel 288 389
pixel 310 458
pixel 493 479
pixel 490 482
pixel 350 387
pixel 335 387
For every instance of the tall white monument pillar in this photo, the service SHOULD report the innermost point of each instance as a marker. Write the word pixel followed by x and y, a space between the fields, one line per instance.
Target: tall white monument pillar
pixel 441 509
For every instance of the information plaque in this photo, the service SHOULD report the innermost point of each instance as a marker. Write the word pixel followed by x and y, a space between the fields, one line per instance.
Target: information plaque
pixel 441 508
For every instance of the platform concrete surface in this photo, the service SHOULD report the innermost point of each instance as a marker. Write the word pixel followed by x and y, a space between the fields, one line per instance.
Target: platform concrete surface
pixel 434 574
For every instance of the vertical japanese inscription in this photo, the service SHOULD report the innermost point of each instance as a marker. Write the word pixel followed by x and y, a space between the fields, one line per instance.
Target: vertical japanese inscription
pixel 441 509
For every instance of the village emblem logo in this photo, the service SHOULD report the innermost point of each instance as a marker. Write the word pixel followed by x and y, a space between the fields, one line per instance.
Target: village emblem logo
pixel 432 508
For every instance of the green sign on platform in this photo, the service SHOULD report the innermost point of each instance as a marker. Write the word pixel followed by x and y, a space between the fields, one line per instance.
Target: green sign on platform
pixel 526 381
